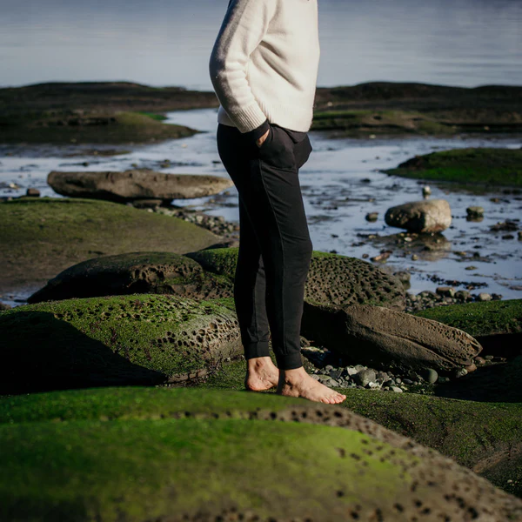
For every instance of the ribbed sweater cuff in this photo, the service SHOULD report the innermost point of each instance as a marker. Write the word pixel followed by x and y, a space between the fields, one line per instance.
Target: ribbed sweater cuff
pixel 249 118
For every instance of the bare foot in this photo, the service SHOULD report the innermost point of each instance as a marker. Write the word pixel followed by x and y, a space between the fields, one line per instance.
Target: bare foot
pixel 297 383
pixel 262 374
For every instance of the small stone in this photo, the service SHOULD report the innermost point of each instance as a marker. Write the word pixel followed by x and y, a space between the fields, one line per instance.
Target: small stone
pixel 364 377
pixel 407 381
pixel 483 297
pixel 33 192
pixel 471 267
pixel 446 291
pixel 396 389
pixel 426 191
pixel 461 372
pixel 431 375
pixel 414 257
pixel 475 212
pixel 351 370
pixel 372 216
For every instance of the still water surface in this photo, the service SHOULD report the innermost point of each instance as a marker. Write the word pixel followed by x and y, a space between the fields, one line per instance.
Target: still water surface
pixel 168 42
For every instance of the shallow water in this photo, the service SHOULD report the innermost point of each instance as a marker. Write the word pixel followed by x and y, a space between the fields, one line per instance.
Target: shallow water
pixel 340 185
pixel 158 42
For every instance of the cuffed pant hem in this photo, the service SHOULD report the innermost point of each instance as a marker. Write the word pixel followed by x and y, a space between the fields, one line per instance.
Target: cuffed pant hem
pixel 290 361
pixel 256 349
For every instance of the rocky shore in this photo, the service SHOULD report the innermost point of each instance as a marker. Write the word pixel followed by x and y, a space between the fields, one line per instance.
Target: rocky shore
pixel 126 371
pixel 126 112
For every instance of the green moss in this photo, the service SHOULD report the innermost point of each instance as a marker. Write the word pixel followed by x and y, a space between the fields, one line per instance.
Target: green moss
pixel 362 122
pixel 104 126
pixel 41 237
pixel 492 166
pixel 466 431
pixel 480 319
pixel 137 470
pixel 138 338
pixel 137 403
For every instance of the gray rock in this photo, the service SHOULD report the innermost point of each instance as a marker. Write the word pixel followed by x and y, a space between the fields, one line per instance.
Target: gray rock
pixel 386 339
pixel 364 377
pixel 431 375
pixel 484 297
pixel 136 184
pixel 396 389
pixel 420 216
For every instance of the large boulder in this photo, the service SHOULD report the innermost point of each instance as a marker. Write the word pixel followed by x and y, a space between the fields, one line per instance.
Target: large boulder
pixel 137 272
pixel 113 340
pixel 384 338
pixel 133 454
pixel 333 280
pixel 135 184
pixel 40 237
pixel 431 215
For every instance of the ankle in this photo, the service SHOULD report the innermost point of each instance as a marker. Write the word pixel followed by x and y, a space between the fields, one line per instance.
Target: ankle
pixel 257 363
pixel 293 376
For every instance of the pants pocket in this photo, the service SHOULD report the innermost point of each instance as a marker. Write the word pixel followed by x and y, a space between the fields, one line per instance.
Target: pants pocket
pixel 278 149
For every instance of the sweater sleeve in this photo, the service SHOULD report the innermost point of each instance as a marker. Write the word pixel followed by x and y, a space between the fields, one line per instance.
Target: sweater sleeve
pixel 243 28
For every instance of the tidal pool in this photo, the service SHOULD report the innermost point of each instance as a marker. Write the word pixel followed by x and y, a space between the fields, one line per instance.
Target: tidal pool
pixel 341 183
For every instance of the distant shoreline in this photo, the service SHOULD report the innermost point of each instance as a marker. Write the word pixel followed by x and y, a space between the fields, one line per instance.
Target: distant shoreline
pixel 127 112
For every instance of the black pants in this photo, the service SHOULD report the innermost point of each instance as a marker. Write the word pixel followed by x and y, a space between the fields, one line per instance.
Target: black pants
pixel 275 248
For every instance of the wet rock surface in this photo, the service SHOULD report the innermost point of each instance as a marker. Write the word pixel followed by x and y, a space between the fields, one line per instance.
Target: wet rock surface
pixel 135 184
pixel 428 216
pixel 138 272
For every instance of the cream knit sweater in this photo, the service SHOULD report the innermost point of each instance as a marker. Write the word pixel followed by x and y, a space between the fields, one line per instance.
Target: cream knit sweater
pixel 264 64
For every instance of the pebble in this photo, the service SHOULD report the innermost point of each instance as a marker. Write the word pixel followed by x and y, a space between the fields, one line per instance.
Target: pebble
pixel 364 377
pixel 372 216
pixel 484 297
pixel 396 389
pixel 475 212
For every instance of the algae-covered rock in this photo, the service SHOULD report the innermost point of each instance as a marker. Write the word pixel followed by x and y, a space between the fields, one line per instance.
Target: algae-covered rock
pixel 383 338
pixel 333 280
pixel 135 184
pixel 113 340
pixel 136 272
pixel 207 455
pixel 482 436
pixel 487 166
pixel 497 325
pixel 40 237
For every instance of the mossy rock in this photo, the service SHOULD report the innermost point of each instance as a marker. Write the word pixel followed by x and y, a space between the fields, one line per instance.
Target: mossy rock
pixel 86 126
pixel 333 280
pixel 488 166
pixel 113 340
pixel 224 460
pixel 497 325
pixel 136 272
pixel 40 237
pixel 482 436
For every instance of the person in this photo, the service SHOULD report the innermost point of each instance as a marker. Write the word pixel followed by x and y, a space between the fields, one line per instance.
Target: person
pixel 263 67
